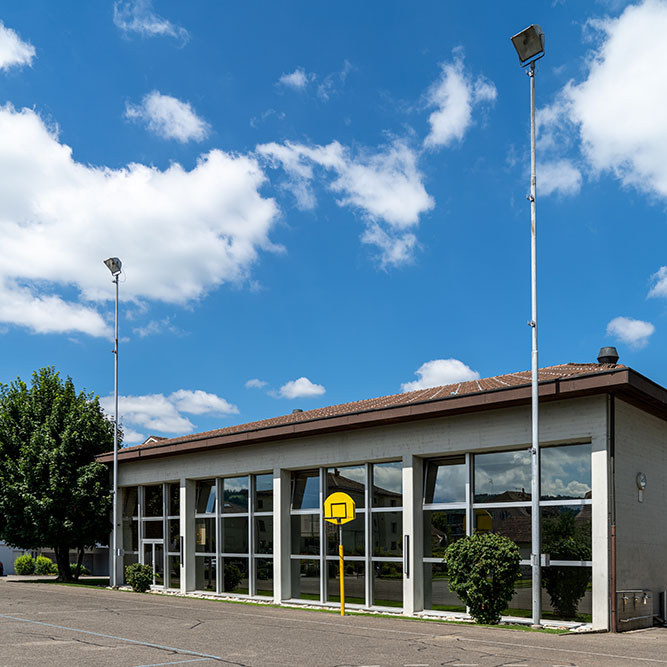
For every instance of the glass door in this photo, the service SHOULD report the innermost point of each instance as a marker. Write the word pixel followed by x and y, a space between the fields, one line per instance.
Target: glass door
pixel 154 556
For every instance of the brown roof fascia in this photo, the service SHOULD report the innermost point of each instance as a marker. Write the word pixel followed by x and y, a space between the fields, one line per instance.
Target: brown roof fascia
pixel 624 382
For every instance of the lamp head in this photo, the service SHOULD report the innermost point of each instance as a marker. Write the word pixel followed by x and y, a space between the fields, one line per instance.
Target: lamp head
pixel 529 44
pixel 114 265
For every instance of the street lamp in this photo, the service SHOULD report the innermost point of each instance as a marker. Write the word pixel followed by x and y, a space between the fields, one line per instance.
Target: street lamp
pixel 115 266
pixel 529 45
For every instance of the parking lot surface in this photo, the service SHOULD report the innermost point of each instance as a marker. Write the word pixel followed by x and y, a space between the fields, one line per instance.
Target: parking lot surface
pixel 47 624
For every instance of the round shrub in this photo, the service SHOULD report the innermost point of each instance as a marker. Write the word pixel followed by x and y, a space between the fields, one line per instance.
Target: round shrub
pixel 44 565
pixel 140 577
pixel 482 571
pixel 84 570
pixel 24 564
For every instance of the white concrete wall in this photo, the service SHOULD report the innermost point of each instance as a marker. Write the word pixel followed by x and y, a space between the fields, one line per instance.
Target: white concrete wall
pixel 641 527
pixel 562 422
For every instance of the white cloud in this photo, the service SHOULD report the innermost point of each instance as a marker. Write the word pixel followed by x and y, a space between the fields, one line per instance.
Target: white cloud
pixel 634 332
pixel 179 233
pixel 162 414
pixel 138 16
pixel 300 388
pixel 386 186
pixel 199 402
pixel 440 372
pixel 132 437
pixel 156 327
pixel 560 177
pixel 618 110
pixel 454 95
pixel 14 52
pixel 298 79
pixel 660 283
pixel 168 117
pixel 255 383
pixel 332 83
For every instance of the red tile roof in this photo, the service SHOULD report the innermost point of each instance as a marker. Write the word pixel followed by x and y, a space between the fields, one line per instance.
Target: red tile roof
pixel 470 387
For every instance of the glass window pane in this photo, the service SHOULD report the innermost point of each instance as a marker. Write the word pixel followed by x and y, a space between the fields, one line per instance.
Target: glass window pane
pixel 387 533
pixel 130 534
pixel 234 535
pixel 235 495
pixel 512 522
pixel 437 594
pixel 521 604
pixel 174 535
pixel 205 535
pixel 305 534
pixel 566 472
pixel 350 480
pixel 306 579
pixel 174 575
pixel 354 580
pixel 205 496
pixel 158 565
pixel 129 559
pixel 387 584
pixel 205 569
pixel 153 530
pixel 567 593
pixel 174 499
pixel 130 507
pixel 502 477
pixel 263 534
pixel 442 528
pixel 566 532
pixel 306 490
pixel 264 576
pixel 354 537
pixel 153 500
pixel 446 480
pixel 388 484
pixel 235 576
pixel 264 493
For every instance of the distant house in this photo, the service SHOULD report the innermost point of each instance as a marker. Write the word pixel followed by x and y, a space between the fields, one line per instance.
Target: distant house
pixel 238 511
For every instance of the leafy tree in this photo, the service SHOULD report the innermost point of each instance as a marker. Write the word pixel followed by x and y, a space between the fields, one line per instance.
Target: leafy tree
pixel 140 577
pixel 563 540
pixel 482 571
pixel 52 492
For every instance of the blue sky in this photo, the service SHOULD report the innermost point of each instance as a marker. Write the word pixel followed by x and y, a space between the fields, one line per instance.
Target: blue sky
pixel 318 203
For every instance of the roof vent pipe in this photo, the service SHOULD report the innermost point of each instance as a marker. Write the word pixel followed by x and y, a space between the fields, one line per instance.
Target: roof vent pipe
pixel 608 355
pixel 297 410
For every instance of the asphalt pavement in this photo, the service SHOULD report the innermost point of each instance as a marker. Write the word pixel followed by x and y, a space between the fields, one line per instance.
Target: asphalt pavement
pixel 53 625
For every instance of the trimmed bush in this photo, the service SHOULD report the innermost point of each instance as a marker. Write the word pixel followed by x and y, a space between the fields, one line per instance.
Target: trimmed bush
pixel 44 565
pixel 25 564
pixel 232 577
pixel 84 569
pixel 140 577
pixel 482 571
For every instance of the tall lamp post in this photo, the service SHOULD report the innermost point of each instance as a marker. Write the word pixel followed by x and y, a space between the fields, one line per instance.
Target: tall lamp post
pixel 115 266
pixel 529 45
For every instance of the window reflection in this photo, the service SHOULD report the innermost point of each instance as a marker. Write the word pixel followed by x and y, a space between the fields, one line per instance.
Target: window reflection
pixel 305 534
pixel 306 579
pixel 235 495
pixel 174 499
pixel 442 528
pixel 205 496
pixel 264 493
pixel 502 477
pixel 387 533
pixel 388 484
pixel 445 481
pixel 566 472
pixel 153 500
pixel 512 522
pixel 354 580
pixel 354 537
pixel 566 532
pixel 306 490
pixel 437 594
pixel 350 480
pixel 387 584
pixel 130 508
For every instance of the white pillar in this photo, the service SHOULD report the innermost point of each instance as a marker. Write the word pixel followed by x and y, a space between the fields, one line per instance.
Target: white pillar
pixel 413 580
pixel 281 535
pixel 600 532
pixel 187 507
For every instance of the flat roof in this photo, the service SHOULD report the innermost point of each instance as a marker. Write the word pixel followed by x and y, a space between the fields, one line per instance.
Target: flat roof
pixel 555 383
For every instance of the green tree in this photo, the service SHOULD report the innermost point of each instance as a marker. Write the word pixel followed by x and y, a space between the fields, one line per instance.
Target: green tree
pixel 52 491
pixel 482 570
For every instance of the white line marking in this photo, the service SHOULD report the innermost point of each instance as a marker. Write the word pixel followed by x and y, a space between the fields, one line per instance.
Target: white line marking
pixel 178 662
pixel 120 639
pixel 564 650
